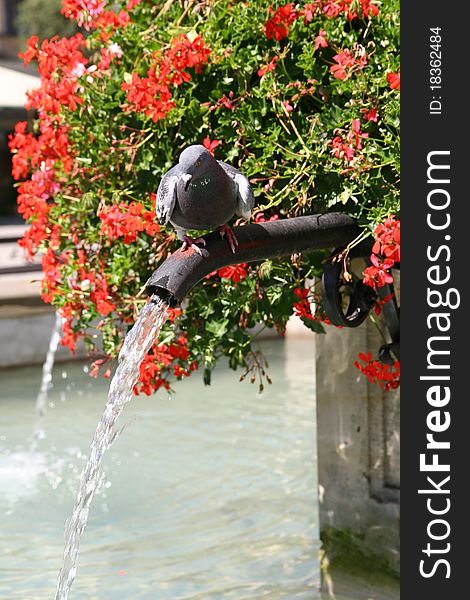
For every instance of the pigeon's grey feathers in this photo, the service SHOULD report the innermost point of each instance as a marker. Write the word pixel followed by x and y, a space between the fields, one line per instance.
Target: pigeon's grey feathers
pixel 166 195
pixel 246 200
pixel 202 193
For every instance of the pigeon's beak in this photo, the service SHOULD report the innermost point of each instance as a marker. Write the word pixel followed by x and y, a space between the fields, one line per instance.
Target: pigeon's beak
pixel 186 179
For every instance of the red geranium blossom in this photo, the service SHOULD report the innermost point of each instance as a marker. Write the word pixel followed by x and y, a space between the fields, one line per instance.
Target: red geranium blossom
pixel 377 275
pixel 348 62
pixel 269 67
pixel 234 272
pixel 223 102
pixel 320 40
pixel 152 95
pixel 387 239
pixel 351 8
pixel 303 308
pixel 160 362
pixel 83 11
pixel 345 148
pixel 261 218
pixel 127 221
pixel 309 10
pixel 386 376
pixel 370 114
pixel 278 25
pixel 394 81
pixel 211 145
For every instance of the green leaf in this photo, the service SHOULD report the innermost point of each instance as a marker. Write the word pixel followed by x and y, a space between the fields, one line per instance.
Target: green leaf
pixel 315 326
pixel 217 328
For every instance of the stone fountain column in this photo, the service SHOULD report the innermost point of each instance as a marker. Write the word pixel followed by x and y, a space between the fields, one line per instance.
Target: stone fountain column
pixel 358 452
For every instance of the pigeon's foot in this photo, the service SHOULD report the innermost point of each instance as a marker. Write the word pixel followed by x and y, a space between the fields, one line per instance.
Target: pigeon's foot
pixel 189 242
pixel 225 230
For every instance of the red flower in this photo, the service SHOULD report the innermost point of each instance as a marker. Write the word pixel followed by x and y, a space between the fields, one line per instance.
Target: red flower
pixel 386 376
pixel 161 361
pixel 32 50
pixel 348 62
pixel 60 64
pixel 278 25
pixel 97 365
pixel 320 40
pixel 380 302
pixel 378 275
pixel 341 149
pixel 303 308
pixel 127 221
pixel 152 94
pixel 309 10
pixel 287 107
pixel 394 81
pixel 260 217
pixel 211 145
pixel 269 67
pixel 174 313
pixel 351 8
pixel 83 11
pixel 69 336
pixel 369 8
pixel 370 114
pixel 345 149
pixel 387 239
pixel 99 295
pixel 356 134
pixel 148 96
pixel 233 272
pixel 223 102
pixel 109 21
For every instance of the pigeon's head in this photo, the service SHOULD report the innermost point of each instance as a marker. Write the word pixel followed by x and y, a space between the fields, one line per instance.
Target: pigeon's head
pixel 194 161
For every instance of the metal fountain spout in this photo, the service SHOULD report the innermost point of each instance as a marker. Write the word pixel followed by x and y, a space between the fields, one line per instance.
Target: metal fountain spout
pixel 181 271
pixel 175 277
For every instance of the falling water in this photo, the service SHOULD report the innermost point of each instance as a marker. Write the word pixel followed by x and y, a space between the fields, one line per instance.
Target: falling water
pixel 136 345
pixel 46 383
pixel 41 400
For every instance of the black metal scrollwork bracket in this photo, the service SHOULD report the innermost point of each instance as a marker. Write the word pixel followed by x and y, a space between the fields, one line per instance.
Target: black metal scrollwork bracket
pixel 362 299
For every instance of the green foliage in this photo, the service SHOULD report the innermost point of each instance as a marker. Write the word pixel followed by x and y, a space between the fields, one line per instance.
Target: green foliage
pixel 42 18
pixel 278 128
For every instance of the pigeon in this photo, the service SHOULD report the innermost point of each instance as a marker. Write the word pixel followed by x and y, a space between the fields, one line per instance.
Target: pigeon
pixel 202 193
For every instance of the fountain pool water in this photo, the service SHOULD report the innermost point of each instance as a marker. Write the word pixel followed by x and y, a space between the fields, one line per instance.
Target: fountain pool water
pixel 213 492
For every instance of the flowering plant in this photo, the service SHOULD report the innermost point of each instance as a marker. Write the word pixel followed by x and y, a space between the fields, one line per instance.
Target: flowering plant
pixel 303 98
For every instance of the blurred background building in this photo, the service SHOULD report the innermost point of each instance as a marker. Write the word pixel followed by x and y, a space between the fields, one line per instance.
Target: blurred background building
pixel 19 19
pixel 14 82
pixel 19 288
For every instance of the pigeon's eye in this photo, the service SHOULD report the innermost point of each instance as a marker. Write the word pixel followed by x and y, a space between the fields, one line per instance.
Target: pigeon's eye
pixel 198 163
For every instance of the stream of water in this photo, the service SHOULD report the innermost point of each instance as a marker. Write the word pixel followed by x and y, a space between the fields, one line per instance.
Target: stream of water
pixel 46 382
pixel 136 345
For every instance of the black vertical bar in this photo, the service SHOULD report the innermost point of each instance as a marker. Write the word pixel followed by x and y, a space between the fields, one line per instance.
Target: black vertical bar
pixel 434 121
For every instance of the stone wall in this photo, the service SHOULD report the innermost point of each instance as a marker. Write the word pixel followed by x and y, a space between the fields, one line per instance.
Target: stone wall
pixel 25 332
pixel 358 448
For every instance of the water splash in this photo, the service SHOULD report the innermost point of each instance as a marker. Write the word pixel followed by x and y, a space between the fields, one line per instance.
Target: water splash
pixel 136 345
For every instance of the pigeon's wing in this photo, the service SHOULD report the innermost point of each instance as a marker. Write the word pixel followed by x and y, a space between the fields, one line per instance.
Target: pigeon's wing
pixel 166 196
pixel 245 198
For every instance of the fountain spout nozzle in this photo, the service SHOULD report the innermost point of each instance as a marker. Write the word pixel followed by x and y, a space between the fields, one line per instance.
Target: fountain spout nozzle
pixel 181 271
